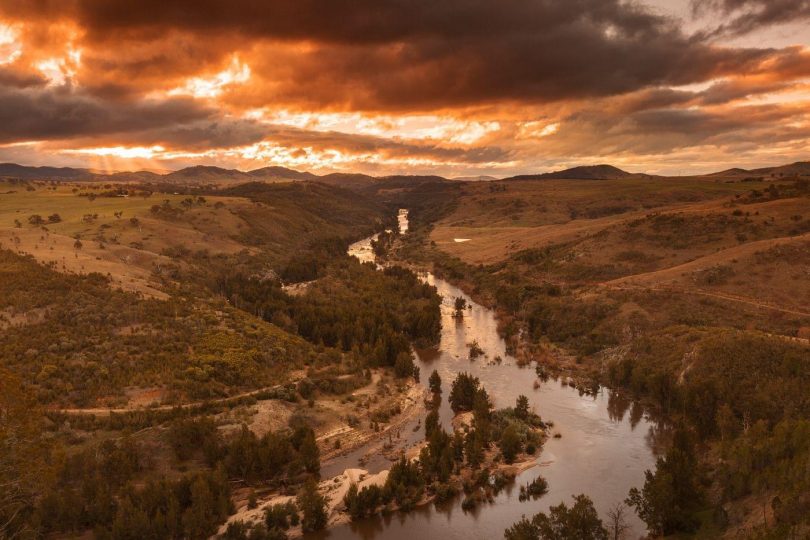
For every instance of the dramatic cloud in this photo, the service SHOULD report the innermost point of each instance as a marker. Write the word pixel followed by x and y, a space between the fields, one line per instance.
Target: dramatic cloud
pixel 33 114
pixel 456 86
pixel 745 16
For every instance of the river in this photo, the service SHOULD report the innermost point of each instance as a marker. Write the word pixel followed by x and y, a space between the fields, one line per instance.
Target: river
pixel 606 442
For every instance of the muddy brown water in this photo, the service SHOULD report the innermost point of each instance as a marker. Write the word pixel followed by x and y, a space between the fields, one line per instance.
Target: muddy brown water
pixel 606 441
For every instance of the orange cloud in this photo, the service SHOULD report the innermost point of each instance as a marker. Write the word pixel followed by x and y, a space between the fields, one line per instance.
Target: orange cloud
pixel 460 86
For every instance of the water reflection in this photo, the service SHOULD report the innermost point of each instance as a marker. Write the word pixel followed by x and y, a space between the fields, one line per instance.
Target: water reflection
pixel 603 451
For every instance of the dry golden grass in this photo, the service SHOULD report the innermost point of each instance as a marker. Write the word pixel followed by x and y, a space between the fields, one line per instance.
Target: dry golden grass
pixel 129 252
pixel 686 236
pixel 531 214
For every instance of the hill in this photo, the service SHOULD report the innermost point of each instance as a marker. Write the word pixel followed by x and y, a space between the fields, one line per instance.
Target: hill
pixel 800 168
pixel 482 178
pixel 587 172
pixel 211 175
pixel 13 170
pixel 688 293
pixel 204 174
pixel 348 180
pixel 281 173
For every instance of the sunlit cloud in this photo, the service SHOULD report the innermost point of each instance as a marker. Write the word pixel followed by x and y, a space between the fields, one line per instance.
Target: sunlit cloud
pixel 123 152
pixel 411 89
pixel 415 127
pixel 60 70
pixel 330 159
pixel 535 130
pixel 10 47
pixel 237 72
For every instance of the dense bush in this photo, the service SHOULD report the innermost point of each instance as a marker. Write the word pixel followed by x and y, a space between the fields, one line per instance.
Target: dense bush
pixel 87 341
pixel 378 314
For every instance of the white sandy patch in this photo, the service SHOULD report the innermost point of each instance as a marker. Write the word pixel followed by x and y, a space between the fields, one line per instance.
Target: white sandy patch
pixel 333 489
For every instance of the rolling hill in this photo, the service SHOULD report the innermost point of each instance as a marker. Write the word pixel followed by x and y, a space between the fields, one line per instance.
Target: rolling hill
pixel 13 170
pixel 210 175
pixel 588 172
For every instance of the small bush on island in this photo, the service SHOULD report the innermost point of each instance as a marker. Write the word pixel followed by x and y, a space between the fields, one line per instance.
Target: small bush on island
pixel 534 489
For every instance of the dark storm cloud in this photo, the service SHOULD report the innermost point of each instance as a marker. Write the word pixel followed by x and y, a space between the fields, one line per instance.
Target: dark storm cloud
pixel 610 76
pixel 398 54
pixel 668 130
pixel 745 16
pixel 343 21
pixel 16 79
pixel 60 112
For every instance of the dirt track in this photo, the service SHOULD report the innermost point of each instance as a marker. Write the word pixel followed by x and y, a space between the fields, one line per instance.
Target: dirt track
pixel 701 292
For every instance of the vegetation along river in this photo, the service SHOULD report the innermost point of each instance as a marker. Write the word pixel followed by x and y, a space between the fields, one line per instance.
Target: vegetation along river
pixel 606 442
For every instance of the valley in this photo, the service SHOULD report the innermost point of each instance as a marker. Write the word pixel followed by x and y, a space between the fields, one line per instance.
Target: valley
pixel 228 356
pixel 405 269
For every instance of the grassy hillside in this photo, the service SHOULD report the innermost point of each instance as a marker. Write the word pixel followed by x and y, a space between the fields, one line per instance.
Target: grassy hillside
pixel 689 294
pixel 76 341
pixel 142 238
pixel 167 373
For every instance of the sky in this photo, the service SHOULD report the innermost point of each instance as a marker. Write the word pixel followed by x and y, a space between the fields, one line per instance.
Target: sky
pixel 450 87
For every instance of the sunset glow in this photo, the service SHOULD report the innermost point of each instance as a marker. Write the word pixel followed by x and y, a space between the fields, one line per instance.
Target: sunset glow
pixel 121 151
pixel 210 87
pixel 650 85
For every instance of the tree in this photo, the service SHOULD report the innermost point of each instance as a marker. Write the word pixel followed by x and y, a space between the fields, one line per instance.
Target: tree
pixel 352 502
pixel 404 366
pixel 482 415
pixel 670 496
pixel 54 218
pixel 200 519
pixel 522 530
pixel 510 443
pixel 35 219
pixel 131 522
pixel 617 521
pixel 309 452
pixel 278 517
pixel 473 449
pixel 580 522
pixel 726 422
pixel 405 483
pixel 22 457
pixel 463 391
pixel 361 503
pixel 435 382
pixel 460 304
pixel 431 423
pixel 313 507
pixel 522 407
pixel 475 350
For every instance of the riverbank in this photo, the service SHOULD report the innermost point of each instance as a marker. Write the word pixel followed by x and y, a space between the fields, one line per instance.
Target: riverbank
pixel 357 444
pixel 599 440
pixel 467 485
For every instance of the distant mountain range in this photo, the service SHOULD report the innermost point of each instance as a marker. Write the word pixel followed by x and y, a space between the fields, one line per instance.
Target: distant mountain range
pixel 198 174
pixel 205 174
